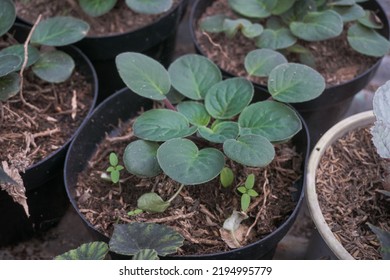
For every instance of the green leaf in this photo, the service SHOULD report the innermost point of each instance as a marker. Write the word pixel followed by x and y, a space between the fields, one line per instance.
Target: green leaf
pixel 7 16
pixel 119 167
pixel 275 121
pixel 242 189
pixel 250 150
pixel 253 8
pixel 260 62
pixel 54 67
pixel 59 31
pixel 149 7
pixel 9 63
pixel 115 175
pixel 195 112
pixel 192 75
pixel 110 169
pixel 371 20
pixel 245 201
pixel 140 158
pixel 367 41
pixel 384 239
pixel 213 24
pixel 228 98
pixel 226 177
pixel 350 13
pixel 249 30
pixel 162 125
pixel 146 254
pixel 276 39
pixel 293 83
pixel 253 30
pixel 143 75
pixel 252 193
pixel 4 178
pixel 9 86
pixel 220 132
pixel 152 202
pixel 182 161
pixel 130 239
pixel 135 212
pixel 282 6
pixel 318 26
pixel 250 181
pixel 18 49
pixel 342 3
pixel 95 8
pixel 113 158
pixel 174 96
pixel 88 251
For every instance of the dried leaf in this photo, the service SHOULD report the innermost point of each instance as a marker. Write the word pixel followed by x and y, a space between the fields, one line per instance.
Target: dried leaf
pixel 74 105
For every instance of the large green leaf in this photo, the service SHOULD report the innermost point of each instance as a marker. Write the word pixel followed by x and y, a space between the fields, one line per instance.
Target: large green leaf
pixel 9 86
pixel 367 41
pixel 220 132
pixel 276 39
pixel 140 158
pixel 350 13
pixel 152 202
pixel 228 98
pixel 384 239
pixel 88 251
pixel 293 82
pixel 250 150
pixel 9 63
pixel 143 75
pixel 149 7
pixel 96 8
pixel 7 15
pixel 192 75
pixel 182 161
pixel 318 26
pixel 253 8
pixel 273 120
pixel 18 49
pixel 54 67
pixel 371 20
pixel 260 62
pixel 282 6
pixel 162 125
pixel 59 31
pixel 146 254
pixel 130 239
pixel 195 112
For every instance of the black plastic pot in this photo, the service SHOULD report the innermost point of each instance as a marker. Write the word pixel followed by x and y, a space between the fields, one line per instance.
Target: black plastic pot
pixel 46 196
pixel 124 105
pixel 323 112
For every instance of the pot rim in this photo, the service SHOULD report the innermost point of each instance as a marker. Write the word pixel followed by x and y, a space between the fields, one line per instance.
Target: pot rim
pixel 334 133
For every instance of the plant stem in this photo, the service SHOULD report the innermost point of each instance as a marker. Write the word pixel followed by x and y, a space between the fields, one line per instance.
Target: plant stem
pixel 176 193
pixel 169 105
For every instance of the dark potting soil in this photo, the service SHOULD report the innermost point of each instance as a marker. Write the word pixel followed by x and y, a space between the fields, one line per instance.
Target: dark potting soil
pixel 119 20
pixel 348 179
pixel 199 211
pixel 335 60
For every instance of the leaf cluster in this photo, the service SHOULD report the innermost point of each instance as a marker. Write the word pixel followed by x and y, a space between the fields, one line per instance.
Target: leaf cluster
pixel 282 24
pixel 51 65
pixel 247 192
pixel 114 168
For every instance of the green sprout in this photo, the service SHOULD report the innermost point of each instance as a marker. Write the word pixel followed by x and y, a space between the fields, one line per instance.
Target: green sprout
pixel 226 177
pixel 135 212
pixel 247 192
pixel 114 168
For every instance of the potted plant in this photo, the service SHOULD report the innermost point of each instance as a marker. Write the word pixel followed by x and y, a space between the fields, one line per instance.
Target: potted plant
pixel 116 26
pixel 343 40
pixel 47 89
pixel 213 145
pixel 356 153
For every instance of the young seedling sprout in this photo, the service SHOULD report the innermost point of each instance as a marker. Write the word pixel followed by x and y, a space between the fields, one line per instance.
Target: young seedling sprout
pixel 114 168
pixel 247 192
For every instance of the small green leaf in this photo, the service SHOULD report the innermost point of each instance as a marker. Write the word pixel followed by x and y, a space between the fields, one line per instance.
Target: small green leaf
pixel 135 212
pixel 18 49
pixel 318 26
pixel 249 30
pixel 253 30
pixel 226 177
pixel 143 75
pixel 384 239
pixel 115 175
pixel 182 161
pixel 7 16
pixel 59 31
pixel 95 8
pixel 293 82
pixel 9 63
pixel 252 193
pixel 140 158
pixel 245 201
pixel 119 167
pixel 149 7
pixel 242 189
pixel 371 20
pixel 253 8
pixel 220 132
pixel 213 24
pixel 367 41
pixel 260 62
pixel 273 120
pixel 129 239
pixel 162 125
pixel 146 254
pixel 152 202
pixel 250 150
pixel 350 13
pixel 113 158
pixel 110 169
pixel 89 251
pixel 250 181
pixel 188 75
pixel 276 39
pixel 228 98
pixel 195 112
pixel 9 86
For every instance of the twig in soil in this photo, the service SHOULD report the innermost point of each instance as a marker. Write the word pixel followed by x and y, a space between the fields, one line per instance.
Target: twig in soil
pixel 170 218
pixel 74 105
pixel 215 44
pixel 194 240
pixel 46 133
pixel 120 138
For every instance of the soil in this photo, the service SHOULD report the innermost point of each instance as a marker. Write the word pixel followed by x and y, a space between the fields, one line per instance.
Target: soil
pixel 120 19
pixel 349 177
pixel 334 58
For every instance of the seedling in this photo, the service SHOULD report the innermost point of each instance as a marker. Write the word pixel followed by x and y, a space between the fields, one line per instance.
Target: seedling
pixel 247 192
pixel 114 168
pixel 226 177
